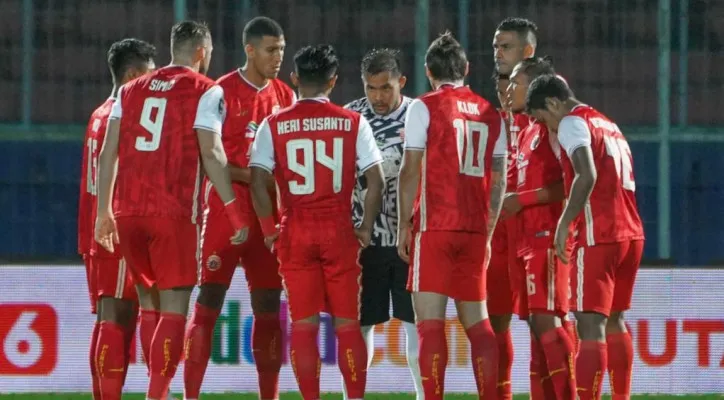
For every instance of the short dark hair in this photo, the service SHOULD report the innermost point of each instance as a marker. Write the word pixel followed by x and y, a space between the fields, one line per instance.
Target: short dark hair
pixel 259 27
pixel 316 65
pixel 128 53
pixel 544 87
pixel 446 58
pixel 526 29
pixel 377 61
pixel 534 67
pixel 189 32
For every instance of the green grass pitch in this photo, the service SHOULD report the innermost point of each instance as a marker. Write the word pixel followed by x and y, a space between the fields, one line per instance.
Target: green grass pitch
pixel 329 396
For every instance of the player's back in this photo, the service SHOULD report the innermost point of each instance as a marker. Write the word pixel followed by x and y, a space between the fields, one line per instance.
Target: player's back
pixel 454 192
pixel 315 147
pixel 159 165
pixel 611 214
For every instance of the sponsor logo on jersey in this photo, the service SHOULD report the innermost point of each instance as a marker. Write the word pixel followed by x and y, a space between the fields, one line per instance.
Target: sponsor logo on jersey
pixel 29 338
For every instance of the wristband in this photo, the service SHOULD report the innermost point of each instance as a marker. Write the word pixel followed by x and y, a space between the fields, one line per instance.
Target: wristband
pixel 268 226
pixel 528 198
pixel 233 212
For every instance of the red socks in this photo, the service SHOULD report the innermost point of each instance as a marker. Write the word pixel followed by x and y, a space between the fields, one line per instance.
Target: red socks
pixel 166 348
pixel 352 359
pixel 305 359
pixel 505 365
pixel 266 343
pixel 590 368
pixel 570 328
pixel 558 351
pixel 149 321
pixel 484 357
pixel 540 382
pixel 111 359
pixel 197 341
pixel 92 359
pixel 620 364
pixel 432 357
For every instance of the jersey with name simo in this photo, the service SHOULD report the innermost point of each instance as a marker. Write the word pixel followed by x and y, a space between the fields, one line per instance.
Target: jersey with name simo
pixel 610 214
pixel 159 163
pixel 314 149
pixel 460 133
pixel 388 130
pixel 94 134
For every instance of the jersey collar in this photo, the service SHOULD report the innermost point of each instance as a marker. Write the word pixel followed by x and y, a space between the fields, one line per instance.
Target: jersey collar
pixel 314 100
pixel 248 82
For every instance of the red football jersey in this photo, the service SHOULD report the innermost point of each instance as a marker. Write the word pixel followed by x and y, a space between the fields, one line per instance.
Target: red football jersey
pixel 460 133
pixel 537 167
pixel 94 134
pixel 515 125
pixel 247 105
pixel 159 165
pixel 611 214
pixel 314 149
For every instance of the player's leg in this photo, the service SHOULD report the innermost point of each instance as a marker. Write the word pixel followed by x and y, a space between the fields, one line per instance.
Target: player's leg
pixel 174 252
pixel 469 293
pixel 219 259
pixel 265 285
pixel 402 310
pixel 500 306
pixel 547 294
pixel 430 282
pixel 374 299
pixel 90 271
pixel 592 286
pixel 618 339
pixel 342 273
pixel 303 281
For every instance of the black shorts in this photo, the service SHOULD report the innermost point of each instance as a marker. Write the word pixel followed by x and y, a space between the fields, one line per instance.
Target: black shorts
pixel 384 274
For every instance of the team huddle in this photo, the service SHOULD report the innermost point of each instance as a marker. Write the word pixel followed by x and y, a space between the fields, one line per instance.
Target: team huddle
pixel 526 209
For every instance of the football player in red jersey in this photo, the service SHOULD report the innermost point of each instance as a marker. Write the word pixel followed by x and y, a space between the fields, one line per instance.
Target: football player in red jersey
pixel 313 149
pixel 110 286
pixel 453 169
pixel 514 40
pixel 251 93
pixel 609 238
pixel 154 171
pixel 538 203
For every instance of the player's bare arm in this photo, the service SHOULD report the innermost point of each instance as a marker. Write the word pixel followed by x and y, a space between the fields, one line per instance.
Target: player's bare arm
pixel 497 190
pixel 581 188
pixel 105 227
pixel 261 199
pixel 243 175
pixel 215 164
pixel 372 203
pixel 408 183
pixel 516 201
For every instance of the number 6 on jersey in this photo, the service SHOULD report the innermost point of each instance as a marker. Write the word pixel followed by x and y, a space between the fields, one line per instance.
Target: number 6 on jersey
pixel 471 149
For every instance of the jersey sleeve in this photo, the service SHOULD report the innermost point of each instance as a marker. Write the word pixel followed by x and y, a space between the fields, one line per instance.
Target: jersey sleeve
pixel 368 154
pixel 116 109
pixel 211 110
pixel 573 133
pixel 262 150
pixel 417 121
pixel 501 145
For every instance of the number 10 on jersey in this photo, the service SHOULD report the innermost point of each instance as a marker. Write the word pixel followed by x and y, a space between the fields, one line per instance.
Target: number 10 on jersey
pixel 472 138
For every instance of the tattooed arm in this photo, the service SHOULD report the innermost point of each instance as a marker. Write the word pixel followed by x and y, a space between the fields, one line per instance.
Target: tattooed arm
pixel 497 190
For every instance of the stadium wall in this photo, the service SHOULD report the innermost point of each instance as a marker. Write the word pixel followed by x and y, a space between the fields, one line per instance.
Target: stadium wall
pixel 676 323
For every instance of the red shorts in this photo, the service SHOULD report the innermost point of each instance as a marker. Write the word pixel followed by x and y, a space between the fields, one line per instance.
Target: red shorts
pixel 546 289
pixel 160 251
pixel 501 299
pixel 320 269
pixel 603 276
pixel 220 258
pixel 448 263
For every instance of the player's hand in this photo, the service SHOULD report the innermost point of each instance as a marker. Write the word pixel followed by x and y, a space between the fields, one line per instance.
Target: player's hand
pixel 106 233
pixel 560 241
pixel 403 241
pixel 364 236
pixel 511 204
pixel 240 236
pixel 269 240
pixel 488 250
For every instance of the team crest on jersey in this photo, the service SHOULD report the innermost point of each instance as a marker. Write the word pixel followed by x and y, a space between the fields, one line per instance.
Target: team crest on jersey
pixel 251 130
pixel 213 262
pixel 534 143
pixel 275 108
